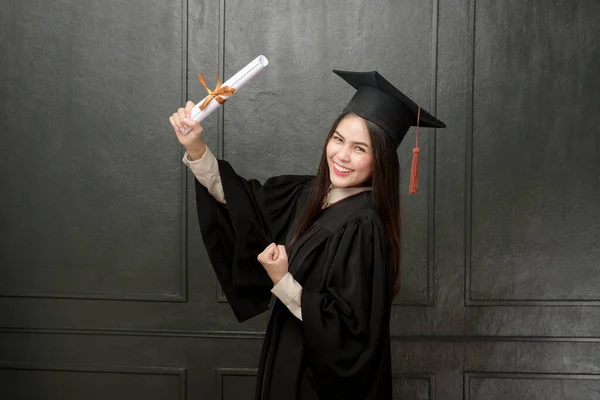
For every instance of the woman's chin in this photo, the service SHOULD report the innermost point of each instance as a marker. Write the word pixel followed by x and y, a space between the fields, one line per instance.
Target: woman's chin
pixel 339 182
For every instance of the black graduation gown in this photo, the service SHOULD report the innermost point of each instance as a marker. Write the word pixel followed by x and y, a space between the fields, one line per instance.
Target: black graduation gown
pixel 341 348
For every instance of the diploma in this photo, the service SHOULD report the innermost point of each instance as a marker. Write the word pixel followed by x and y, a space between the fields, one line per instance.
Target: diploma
pixel 236 82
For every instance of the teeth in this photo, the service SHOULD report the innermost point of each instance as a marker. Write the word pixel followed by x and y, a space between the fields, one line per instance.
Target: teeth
pixel 341 169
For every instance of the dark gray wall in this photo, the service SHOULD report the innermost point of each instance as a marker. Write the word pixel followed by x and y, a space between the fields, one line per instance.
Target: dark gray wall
pixel 105 288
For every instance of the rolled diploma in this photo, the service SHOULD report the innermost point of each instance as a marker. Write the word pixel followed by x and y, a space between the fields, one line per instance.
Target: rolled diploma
pixel 236 82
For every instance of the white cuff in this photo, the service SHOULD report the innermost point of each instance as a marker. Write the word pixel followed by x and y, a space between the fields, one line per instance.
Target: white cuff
pixel 206 171
pixel 203 165
pixel 289 291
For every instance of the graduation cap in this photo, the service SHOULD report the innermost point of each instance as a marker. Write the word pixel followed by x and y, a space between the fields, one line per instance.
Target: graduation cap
pixel 382 103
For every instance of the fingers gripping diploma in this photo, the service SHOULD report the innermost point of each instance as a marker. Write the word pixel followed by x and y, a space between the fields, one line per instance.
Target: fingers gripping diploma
pixel 193 141
pixel 274 259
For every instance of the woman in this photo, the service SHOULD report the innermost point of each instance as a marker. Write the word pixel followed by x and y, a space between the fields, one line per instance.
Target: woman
pixel 327 247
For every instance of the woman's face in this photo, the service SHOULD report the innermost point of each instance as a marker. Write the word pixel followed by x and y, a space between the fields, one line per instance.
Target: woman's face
pixel 349 153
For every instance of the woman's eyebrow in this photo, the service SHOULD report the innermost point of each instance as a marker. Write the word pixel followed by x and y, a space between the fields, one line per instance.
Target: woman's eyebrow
pixel 361 143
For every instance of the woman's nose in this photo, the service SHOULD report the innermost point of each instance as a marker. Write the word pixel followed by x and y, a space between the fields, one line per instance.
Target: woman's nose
pixel 344 153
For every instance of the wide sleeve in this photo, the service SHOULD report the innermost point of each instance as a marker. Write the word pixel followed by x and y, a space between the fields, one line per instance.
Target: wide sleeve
pixel 256 215
pixel 346 321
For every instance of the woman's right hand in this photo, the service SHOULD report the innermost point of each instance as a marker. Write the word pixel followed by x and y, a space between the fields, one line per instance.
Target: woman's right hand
pixel 193 142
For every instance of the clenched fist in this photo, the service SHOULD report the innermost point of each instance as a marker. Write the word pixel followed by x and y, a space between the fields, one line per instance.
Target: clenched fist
pixel 275 261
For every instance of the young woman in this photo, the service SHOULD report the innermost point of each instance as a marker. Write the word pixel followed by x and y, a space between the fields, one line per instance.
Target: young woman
pixel 327 248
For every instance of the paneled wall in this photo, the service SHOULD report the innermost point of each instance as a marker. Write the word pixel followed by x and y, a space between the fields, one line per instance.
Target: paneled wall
pixel 106 290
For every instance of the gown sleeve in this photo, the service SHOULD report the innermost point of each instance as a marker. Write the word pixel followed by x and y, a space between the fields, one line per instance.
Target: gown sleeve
pixel 255 216
pixel 346 321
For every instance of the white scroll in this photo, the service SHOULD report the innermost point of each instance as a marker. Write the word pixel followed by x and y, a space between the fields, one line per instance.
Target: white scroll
pixel 236 81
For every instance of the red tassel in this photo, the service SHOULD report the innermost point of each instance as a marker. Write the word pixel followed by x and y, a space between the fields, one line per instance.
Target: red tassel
pixel 414 170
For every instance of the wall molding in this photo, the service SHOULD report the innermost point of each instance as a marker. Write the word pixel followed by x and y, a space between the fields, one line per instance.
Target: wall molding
pixel 220 373
pixel 429 376
pixel 468 376
pixel 260 335
pixel 469 300
pixel 181 373
pixel 178 296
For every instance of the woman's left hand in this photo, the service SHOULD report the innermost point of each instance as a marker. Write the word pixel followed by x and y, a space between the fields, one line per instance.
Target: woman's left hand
pixel 275 261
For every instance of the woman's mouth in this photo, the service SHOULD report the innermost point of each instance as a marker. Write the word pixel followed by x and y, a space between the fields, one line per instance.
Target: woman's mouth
pixel 341 171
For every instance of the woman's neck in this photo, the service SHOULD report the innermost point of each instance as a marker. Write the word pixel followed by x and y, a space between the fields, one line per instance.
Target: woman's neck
pixel 338 194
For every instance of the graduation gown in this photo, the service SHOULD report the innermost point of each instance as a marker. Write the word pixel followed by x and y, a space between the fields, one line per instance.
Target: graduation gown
pixel 341 348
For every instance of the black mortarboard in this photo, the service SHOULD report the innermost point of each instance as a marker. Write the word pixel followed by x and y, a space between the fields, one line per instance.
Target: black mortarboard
pixel 380 102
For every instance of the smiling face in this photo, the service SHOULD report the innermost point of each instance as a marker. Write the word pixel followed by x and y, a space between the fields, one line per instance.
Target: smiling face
pixel 349 153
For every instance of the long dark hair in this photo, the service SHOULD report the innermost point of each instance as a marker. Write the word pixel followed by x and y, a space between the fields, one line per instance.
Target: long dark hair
pixel 385 181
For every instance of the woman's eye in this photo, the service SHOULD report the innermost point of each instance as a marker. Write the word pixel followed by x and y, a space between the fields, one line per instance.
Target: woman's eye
pixel 360 149
pixel 337 139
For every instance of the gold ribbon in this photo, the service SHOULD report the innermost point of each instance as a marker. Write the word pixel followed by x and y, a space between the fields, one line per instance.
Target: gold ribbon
pixel 217 93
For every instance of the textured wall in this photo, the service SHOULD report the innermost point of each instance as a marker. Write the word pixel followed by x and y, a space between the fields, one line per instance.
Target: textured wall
pixel 105 288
